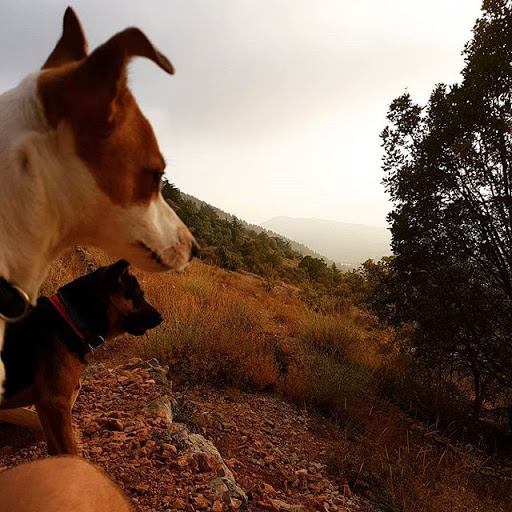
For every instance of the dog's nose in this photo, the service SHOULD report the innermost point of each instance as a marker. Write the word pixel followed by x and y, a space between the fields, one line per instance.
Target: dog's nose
pixel 196 249
pixel 159 319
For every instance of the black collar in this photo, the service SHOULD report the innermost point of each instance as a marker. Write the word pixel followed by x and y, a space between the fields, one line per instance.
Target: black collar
pixel 90 339
pixel 14 302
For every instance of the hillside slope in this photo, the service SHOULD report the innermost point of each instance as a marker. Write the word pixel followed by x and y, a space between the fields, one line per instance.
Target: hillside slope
pixel 295 245
pixel 290 397
pixel 167 462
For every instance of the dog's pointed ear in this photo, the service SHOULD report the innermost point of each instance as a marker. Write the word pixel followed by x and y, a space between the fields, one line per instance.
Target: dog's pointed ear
pixel 93 93
pixel 116 271
pixel 72 45
pixel 129 43
pixel 102 75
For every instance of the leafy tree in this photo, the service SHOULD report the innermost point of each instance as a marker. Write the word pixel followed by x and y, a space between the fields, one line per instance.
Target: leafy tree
pixel 448 171
pixel 315 269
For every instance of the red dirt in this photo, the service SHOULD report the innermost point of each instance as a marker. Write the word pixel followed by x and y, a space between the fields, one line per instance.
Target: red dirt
pixel 276 451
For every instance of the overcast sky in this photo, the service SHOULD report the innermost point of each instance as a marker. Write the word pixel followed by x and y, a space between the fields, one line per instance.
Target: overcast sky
pixel 276 106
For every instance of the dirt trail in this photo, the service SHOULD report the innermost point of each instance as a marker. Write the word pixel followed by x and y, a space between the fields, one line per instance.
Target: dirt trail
pixel 276 452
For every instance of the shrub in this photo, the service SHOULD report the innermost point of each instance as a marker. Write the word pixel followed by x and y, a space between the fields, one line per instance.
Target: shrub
pixel 334 336
pixel 213 335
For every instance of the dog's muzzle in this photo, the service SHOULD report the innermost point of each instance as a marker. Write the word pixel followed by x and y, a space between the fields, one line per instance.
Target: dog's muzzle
pixel 14 302
pixel 137 324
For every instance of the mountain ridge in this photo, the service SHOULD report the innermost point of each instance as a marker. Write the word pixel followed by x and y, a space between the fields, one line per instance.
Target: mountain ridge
pixel 296 245
pixel 320 219
pixel 347 243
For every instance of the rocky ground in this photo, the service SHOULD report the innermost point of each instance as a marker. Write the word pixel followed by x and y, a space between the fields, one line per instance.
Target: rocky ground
pixel 162 445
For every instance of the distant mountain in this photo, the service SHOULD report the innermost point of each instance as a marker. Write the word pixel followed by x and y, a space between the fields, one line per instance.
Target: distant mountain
pixel 341 242
pixel 296 246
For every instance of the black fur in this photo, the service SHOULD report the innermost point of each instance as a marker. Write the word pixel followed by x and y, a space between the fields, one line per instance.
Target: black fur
pixel 35 339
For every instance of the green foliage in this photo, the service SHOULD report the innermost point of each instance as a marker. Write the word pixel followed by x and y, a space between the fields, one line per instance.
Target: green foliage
pixel 316 270
pixel 332 382
pixel 329 350
pixel 448 172
pixel 171 193
pixel 229 244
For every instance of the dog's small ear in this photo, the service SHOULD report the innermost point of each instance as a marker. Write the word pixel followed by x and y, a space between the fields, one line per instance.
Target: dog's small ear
pixel 72 45
pixel 116 271
pixel 129 43
pixel 99 83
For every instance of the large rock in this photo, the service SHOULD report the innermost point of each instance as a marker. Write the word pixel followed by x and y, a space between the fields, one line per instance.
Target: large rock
pixel 207 456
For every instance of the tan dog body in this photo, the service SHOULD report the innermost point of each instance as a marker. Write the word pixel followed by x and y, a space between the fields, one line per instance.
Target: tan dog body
pixel 59 484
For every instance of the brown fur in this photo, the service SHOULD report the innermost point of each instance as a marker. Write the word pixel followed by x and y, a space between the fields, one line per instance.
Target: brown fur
pixel 91 95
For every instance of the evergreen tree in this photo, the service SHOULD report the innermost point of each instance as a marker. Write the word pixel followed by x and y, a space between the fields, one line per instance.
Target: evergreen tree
pixel 448 172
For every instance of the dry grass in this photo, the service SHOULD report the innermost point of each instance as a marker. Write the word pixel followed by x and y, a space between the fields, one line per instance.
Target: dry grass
pixel 237 330
pixel 69 267
pixel 416 478
pixel 72 264
pixel 335 336
pixel 212 334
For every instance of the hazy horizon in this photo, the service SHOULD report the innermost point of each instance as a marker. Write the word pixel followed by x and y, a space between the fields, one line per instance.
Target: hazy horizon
pixel 276 106
pixel 321 219
pixel 340 242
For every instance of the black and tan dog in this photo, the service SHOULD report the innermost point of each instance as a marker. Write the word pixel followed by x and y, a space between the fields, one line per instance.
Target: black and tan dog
pixel 45 354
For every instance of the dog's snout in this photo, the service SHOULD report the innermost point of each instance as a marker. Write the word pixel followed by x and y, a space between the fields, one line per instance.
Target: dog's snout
pixel 154 317
pixel 196 249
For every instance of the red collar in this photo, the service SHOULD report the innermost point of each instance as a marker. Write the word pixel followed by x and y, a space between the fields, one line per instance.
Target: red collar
pixel 89 338
pixel 55 300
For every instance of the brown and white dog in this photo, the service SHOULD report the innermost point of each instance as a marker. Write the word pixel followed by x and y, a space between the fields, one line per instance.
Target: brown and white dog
pixel 80 164
pixel 46 353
